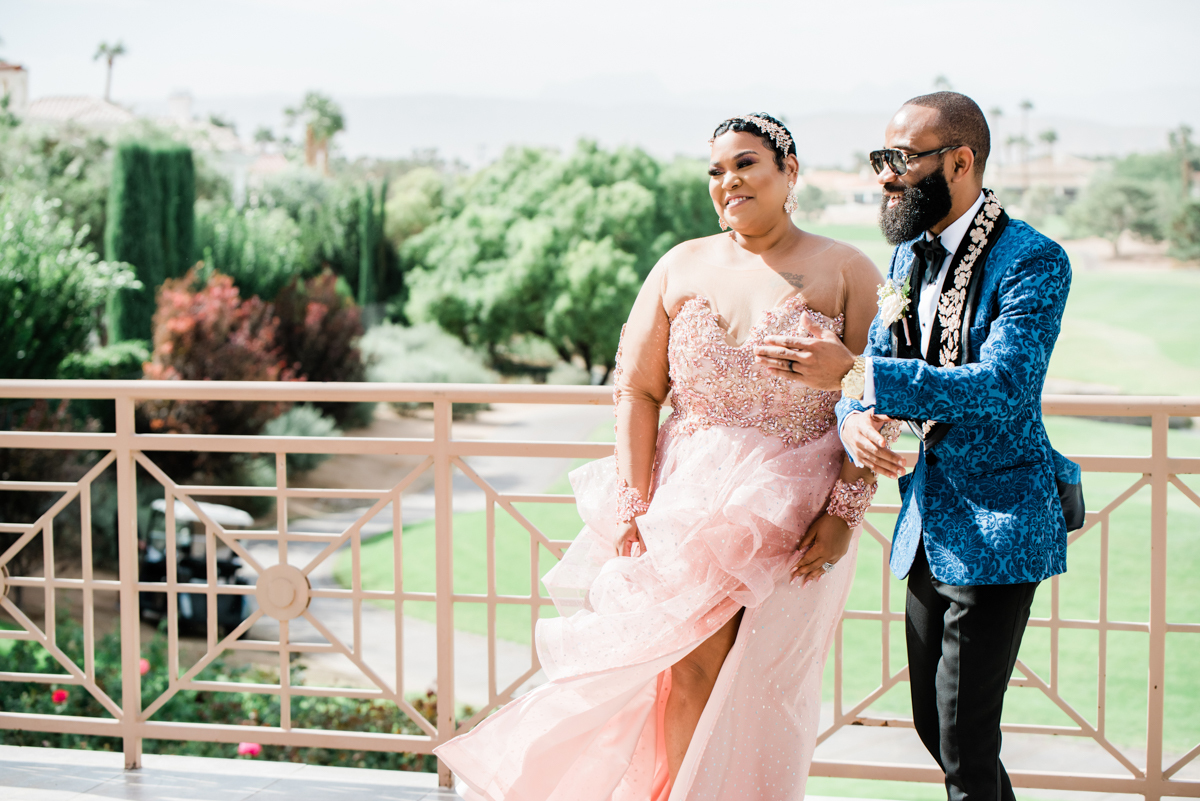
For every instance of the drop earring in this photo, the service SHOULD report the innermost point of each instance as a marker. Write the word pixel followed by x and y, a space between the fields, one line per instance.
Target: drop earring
pixel 724 225
pixel 791 204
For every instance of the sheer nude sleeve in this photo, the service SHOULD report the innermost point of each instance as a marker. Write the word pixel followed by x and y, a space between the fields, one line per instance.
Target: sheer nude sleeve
pixel 859 280
pixel 641 383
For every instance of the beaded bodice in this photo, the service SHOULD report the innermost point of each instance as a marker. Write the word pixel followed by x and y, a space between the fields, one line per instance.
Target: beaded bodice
pixel 714 383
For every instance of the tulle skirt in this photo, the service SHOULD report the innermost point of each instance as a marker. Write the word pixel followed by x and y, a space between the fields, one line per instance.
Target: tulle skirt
pixel 728 509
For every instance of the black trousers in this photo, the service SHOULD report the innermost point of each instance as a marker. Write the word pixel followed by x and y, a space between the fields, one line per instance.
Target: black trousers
pixel 962 647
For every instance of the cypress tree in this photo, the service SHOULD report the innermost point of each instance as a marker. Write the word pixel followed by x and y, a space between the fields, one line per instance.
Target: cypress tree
pixel 151 225
pixel 370 244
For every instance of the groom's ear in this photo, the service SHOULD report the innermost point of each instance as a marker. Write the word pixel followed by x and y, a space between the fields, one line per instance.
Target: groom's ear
pixel 960 163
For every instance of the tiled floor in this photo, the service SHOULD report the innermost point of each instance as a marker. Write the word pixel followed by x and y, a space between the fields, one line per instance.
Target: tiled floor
pixel 48 774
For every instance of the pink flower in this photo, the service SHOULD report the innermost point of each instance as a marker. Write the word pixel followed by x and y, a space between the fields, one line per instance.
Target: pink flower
pixel 143 666
pixel 59 696
pixel 249 749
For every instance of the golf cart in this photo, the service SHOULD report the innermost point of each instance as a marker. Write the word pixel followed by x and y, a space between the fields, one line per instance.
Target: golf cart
pixel 191 562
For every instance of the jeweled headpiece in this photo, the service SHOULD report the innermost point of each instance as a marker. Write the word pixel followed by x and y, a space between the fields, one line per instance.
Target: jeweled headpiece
pixel 777 133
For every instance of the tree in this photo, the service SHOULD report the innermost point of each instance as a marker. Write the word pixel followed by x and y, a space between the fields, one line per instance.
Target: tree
pixel 508 258
pixel 1185 232
pixel 1049 136
pixel 599 286
pixel 942 84
pixel 1186 153
pixel 264 136
pixel 322 120
pixel 1026 106
pixel 1113 206
pixel 811 201
pixel 151 225
pixel 109 53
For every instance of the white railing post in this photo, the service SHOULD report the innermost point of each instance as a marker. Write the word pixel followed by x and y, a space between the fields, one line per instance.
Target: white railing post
pixel 444 567
pixel 127 544
pixel 1159 479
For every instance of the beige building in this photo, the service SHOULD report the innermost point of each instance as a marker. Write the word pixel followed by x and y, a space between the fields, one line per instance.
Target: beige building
pixel 1067 175
pixel 14 84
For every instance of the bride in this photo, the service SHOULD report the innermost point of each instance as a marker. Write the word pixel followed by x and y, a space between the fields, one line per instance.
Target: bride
pixel 699 601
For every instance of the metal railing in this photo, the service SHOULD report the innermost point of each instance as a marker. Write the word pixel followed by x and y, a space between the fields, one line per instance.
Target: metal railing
pixel 283 590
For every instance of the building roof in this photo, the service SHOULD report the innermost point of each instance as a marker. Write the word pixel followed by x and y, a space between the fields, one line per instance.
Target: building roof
pixel 6 66
pixel 83 110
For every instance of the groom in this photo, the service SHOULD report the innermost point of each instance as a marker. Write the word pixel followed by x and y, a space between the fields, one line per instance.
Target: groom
pixel 963 364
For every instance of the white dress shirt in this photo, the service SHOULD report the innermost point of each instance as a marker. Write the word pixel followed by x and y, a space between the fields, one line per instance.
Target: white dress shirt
pixel 930 292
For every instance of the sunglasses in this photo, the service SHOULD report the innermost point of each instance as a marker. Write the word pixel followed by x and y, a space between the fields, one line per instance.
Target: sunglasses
pixel 898 160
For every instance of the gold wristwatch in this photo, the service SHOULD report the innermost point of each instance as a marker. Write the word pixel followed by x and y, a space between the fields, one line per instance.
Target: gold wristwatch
pixel 854 381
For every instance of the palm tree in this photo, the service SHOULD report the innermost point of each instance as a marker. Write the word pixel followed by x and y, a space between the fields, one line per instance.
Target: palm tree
pixel 942 84
pixel 995 112
pixel 109 53
pixel 1049 136
pixel 322 120
pixel 1026 107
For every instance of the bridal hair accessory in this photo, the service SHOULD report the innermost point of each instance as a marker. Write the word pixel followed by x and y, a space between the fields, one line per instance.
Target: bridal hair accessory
pixel 791 204
pixel 630 503
pixel 851 501
pixel 778 134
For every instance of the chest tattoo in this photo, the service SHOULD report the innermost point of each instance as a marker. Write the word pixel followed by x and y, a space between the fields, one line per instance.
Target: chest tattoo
pixel 795 279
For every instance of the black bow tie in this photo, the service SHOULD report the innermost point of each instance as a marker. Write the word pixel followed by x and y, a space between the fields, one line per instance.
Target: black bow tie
pixel 930 255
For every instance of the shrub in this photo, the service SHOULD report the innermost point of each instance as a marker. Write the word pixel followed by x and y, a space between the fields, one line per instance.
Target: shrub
pixel 193 706
pixel 330 214
pixel 303 421
pixel 211 333
pixel 260 249
pixel 318 332
pixel 63 162
pixel 151 225
pixel 51 287
pixel 116 362
pixel 423 354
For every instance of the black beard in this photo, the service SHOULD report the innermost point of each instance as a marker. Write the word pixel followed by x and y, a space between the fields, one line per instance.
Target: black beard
pixel 919 209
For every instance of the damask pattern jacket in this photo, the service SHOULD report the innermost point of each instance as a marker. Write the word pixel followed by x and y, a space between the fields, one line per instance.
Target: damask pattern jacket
pixel 984 498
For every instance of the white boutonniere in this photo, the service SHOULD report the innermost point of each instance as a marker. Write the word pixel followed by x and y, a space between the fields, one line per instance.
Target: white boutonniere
pixel 893 301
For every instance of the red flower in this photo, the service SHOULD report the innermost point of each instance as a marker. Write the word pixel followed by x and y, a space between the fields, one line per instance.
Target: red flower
pixel 59 697
pixel 249 749
pixel 143 666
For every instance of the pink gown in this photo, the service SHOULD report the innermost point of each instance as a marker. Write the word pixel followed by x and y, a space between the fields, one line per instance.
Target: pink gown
pixel 742 466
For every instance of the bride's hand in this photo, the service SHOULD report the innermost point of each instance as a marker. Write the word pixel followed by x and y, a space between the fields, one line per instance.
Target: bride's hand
pixel 630 542
pixel 827 540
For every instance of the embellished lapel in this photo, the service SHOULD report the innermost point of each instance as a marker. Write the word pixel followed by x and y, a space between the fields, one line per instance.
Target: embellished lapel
pixel 949 338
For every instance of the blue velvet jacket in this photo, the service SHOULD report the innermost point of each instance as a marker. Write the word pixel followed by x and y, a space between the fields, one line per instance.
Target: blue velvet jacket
pixel 984 498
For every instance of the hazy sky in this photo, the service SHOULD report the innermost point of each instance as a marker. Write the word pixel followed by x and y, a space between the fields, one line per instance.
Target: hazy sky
pixel 1133 62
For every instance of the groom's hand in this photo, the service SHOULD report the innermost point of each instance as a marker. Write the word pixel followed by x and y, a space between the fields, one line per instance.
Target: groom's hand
pixel 816 358
pixel 862 437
